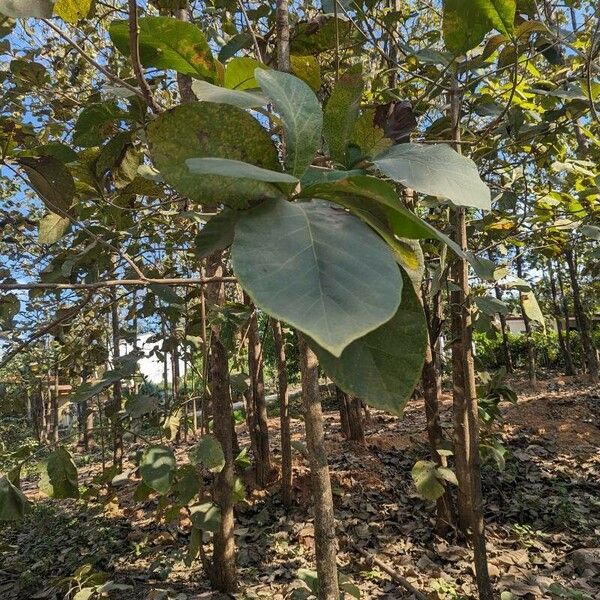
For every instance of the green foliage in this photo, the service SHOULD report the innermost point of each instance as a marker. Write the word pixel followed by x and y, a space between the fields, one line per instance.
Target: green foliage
pixel 437 170
pixel 168 43
pixel 301 114
pixel 467 21
pixel 13 503
pixel 59 480
pixel 383 367
pixel 157 468
pixel 341 114
pixel 51 180
pixel 333 293
pixel 209 453
pixel 430 479
pixel 209 130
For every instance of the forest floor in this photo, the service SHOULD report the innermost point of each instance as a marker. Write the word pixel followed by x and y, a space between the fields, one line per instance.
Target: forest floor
pixel 542 511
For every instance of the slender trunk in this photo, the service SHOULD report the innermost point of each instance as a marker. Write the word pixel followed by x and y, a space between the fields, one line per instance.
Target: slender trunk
pixel 117 430
pixel 54 399
pixel 466 410
pixel 508 361
pixel 562 342
pixel 432 392
pixel 342 399
pixel 591 356
pixel 564 303
pixel 223 572
pixel 284 415
pixel 531 352
pixel 259 422
pixel 355 420
pixel 324 520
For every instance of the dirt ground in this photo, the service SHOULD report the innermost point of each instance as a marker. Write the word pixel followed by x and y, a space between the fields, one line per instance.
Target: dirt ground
pixel 542 512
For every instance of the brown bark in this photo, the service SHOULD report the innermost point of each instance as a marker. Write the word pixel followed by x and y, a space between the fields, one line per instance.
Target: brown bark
pixel 531 353
pixel 54 405
pixel 223 570
pixel 284 415
pixel 342 399
pixel 591 356
pixel 565 350
pixel 466 410
pixel 351 417
pixel 324 520
pixel 258 422
pixel 117 430
pixel 432 390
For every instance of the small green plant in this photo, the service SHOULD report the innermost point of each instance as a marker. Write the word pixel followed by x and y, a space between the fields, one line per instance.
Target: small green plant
pixel 87 584
pixel 445 590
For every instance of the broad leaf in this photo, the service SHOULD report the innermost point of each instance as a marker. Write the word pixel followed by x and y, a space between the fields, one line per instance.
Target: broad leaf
pixel 52 228
pixel 217 234
pixel 23 9
pixel 207 92
pixel 188 484
pixel 237 169
pixel 51 180
pixel 308 69
pixel 465 22
pixel 239 73
pixel 72 11
pixel 61 481
pixel 138 406
pixel 383 367
pixel 13 503
pixel 166 293
pixel 437 170
pixel 317 268
pixel 341 114
pixel 203 129
pixel 301 114
pixel 157 468
pixel 96 122
pixel 167 43
pixel 427 482
pixel 208 452
pixel 206 517
pixel 532 308
pixel 591 231
pixel 490 306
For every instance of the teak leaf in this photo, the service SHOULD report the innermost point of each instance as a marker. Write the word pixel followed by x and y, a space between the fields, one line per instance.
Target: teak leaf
pixel 317 268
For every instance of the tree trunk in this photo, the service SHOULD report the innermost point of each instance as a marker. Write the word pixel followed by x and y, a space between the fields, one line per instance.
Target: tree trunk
pixel 54 405
pixel 564 302
pixel 117 430
pixel 223 572
pixel 284 415
pixel 562 342
pixel 259 421
pixel 342 399
pixel 324 520
pixel 432 391
pixel 531 352
pixel 508 361
pixel 466 410
pixel 591 357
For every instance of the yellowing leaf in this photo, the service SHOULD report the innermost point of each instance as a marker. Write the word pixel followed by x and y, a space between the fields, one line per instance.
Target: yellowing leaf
pixel 72 11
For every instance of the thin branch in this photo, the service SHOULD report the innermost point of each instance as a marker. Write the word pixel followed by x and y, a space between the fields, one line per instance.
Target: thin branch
pixel 134 47
pixel 71 312
pixel 111 283
pixel 92 62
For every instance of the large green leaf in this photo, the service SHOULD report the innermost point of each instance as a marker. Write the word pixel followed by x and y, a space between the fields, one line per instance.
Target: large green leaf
pixel 206 517
pixel 23 9
pixel 466 22
pixel 96 122
pixel 208 452
pixel 429 479
pixel 237 169
pixel 317 268
pixel 157 468
pixel 239 73
pixel 217 234
pixel 437 170
pixel 72 11
pixel 167 43
pixel 61 475
pixel 207 92
pixel 51 180
pixel 52 227
pixel 383 367
pixel 532 308
pixel 341 113
pixel 13 503
pixel 203 129
pixel 301 113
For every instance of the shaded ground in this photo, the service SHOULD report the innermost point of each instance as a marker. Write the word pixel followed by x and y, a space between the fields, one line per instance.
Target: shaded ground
pixel 543 512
